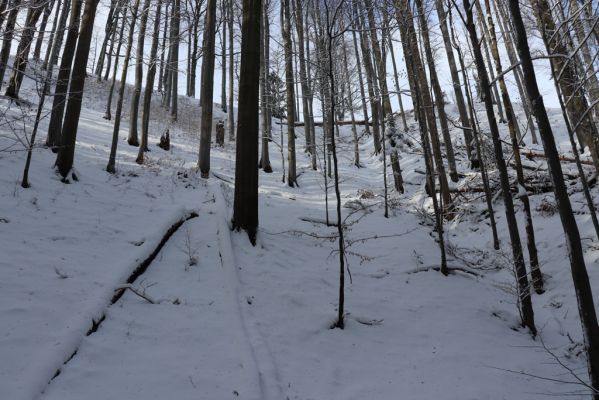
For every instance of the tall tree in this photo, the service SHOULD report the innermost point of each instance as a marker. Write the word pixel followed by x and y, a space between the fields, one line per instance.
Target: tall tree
pixel 291 159
pixel 133 139
pixel 245 206
pixel 207 89
pixel 584 294
pixel 524 296
pixel 64 74
pixel 64 160
pixel 111 167
pixel 22 56
pixel 149 89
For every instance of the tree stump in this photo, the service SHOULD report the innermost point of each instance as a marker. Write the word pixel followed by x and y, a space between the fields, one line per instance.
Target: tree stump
pixel 165 141
pixel 220 133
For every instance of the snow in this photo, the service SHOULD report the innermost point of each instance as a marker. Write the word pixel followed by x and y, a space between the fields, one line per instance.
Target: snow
pixel 254 322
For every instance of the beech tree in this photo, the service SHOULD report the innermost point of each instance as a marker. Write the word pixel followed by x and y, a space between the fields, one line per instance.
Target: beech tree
pixel 245 206
pixel 207 89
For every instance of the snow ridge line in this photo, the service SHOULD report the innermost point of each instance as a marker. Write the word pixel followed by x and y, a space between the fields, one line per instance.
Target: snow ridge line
pixel 72 346
pixel 268 376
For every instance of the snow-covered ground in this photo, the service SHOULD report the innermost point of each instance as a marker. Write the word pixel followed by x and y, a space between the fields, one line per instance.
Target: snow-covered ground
pixel 254 322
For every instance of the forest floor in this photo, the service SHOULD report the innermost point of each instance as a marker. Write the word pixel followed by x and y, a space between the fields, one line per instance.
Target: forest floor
pixel 224 320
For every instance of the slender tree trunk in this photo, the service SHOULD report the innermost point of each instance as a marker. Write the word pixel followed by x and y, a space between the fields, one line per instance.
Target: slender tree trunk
pixel 53 32
pixel 351 109
pixel 580 277
pixel 506 32
pixel 289 89
pixel 9 29
pixel 147 101
pixel 223 55
pixel 455 78
pixel 111 167
pixel 174 62
pixel 264 93
pixel 361 84
pixel 163 49
pixel 231 114
pixel 133 139
pixel 108 34
pixel 117 56
pixel 64 75
pixel 537 277
pixel 404 15
pixel 42 30
pixel 308 123
pixel 22 56
pixel 207 89
pixel 439 100
pixel 520 267
pixel 64 160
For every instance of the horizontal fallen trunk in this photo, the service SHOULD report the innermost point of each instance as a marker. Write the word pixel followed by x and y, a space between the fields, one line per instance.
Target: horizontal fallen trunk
pixel 532 155
pixel 320 123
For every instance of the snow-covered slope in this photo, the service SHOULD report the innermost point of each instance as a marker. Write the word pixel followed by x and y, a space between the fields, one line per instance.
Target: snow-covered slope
pixel 254 322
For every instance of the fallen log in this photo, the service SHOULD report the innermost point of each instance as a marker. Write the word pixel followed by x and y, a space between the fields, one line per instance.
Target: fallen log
pixel 341 123
pixel 532 155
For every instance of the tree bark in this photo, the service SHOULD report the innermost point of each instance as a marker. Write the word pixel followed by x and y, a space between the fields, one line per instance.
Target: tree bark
pixel 520 267
pixel 111 167
pixel 133 139
pixel 207 89
pixel 64 160
pixel 245 206
pixel 147 101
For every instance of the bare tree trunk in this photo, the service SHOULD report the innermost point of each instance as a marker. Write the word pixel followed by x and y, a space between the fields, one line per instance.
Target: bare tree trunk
pixel 147 102
pixel 455 78
pixel 54 32
pixel 480 162
pixel 575 102
pixel 351 109
pixel 133 139
pixel 207 89
pixel 495 91
pixel 111 167
pixel 580 277
pixel 361 84
pixel 223 55
pixel 231 115
pixel 266 100
pixel 64 160
pixel 22 56
pixel 537 277
pixel 396 77
pixel 64 75
pixel 440 102
pixel 108 112
pixel 289 89
pixel 174 61
pixel 8 36
pixel 308 122
pixel 520 267
pixel 39 41
pixel 245 206
pixel 163 49
pixel 108 34
pixel 405 18
pixel 506 32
